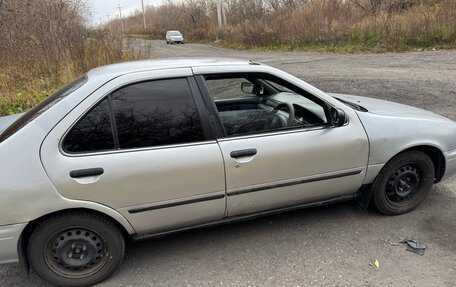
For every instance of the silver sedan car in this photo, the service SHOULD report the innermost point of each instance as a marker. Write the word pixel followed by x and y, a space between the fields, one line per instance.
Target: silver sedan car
pixel 142 149
pixel 173 37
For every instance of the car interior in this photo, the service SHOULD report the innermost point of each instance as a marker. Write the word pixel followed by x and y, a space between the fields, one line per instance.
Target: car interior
pixel 254 105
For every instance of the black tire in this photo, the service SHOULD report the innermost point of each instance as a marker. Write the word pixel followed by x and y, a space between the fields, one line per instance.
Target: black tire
pixel 403 183
pixel 76 249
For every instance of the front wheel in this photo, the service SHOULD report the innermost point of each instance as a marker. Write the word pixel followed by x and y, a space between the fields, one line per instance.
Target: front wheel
pixel 403 183
pixel 76 249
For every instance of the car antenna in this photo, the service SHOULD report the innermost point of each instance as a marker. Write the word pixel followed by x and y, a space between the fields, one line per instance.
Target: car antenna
pixel 251 62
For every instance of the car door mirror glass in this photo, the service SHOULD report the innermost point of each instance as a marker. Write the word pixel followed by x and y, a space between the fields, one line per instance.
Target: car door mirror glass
pixel 248 87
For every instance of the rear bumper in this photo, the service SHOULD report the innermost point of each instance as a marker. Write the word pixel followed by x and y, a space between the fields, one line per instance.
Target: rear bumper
pixel 450 167
pixel 9 238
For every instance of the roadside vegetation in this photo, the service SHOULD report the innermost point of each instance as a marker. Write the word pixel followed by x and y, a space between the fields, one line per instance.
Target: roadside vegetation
pixel 45 44
pixel 309 25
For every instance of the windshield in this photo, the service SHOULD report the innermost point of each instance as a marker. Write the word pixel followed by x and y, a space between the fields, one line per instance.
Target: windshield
pixel 42 107
pixel 175 34
pixel 279 87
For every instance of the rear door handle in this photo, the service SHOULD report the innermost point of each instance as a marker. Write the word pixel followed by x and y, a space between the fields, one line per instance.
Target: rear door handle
pixel 86 172
pixel 243 152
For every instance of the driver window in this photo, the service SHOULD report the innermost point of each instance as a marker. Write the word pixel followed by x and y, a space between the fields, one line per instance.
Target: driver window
pixel 228 88
pixel 251 105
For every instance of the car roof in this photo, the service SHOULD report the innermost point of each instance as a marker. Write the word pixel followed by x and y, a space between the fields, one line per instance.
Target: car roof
pixel 169 31
pixel 115 70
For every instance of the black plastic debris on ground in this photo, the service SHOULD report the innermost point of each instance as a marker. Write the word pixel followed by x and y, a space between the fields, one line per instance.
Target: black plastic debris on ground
pixel 414 246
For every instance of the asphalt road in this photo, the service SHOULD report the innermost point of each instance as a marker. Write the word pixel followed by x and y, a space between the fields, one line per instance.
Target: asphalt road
pixel 325 246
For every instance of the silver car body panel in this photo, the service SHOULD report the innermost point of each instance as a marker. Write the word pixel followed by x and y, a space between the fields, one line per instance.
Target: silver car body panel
pixel 35 180
pixel 9 238
pixel 174 214
pixel 140 177
pixel 450 158
pixel 7 121
pixel 393 128
pixel 29 197
pixel 294 167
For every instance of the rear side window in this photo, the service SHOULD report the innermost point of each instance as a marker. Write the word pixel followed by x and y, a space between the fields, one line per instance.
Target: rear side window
pixel 93 132
pixel 144 114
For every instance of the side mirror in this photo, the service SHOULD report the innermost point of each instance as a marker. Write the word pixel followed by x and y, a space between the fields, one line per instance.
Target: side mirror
pixel 248 87
pixel 338 117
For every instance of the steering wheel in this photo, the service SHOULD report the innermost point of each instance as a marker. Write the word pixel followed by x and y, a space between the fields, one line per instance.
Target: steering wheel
pixel 291 112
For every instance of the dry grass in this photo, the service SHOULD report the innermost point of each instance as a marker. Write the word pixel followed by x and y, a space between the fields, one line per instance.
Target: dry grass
pixel 21 87
pixel 331 25
pixel 45 44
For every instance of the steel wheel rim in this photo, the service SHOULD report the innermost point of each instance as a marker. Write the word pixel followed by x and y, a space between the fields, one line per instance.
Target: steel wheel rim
pixel 403 185
pixel 76 252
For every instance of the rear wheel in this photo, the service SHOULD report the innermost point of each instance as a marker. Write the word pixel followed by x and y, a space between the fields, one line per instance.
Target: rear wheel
pixel 403 183
pixel 76 249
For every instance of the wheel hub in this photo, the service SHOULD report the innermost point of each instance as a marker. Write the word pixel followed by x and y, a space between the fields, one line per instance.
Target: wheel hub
pixel 77 249
pixel 403 183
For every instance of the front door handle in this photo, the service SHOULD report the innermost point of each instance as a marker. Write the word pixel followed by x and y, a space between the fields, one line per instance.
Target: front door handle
pixel 86 172
pixel 243 153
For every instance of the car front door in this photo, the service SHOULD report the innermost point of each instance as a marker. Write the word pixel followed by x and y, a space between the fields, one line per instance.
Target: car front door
pixel 141 145
pixel 275 158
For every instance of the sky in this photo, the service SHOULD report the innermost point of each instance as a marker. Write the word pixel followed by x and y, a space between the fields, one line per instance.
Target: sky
pixel 100 8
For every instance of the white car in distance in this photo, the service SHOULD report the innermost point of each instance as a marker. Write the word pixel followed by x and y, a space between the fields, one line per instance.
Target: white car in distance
pixel 173 37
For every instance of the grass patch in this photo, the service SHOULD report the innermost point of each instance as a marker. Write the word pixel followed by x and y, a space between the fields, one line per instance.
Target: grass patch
pixel 21 88
pixel 341 47
pixel 21 102
pixel 142 36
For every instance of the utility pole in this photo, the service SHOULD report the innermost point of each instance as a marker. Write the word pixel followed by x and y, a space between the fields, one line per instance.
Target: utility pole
pixel 107 16
pixel 144 15
pixel 219 13
pixel 223 14
pixel 121 20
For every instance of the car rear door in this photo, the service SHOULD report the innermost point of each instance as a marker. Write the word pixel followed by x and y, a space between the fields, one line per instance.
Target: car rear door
pixel 282 167
pixel 141 145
